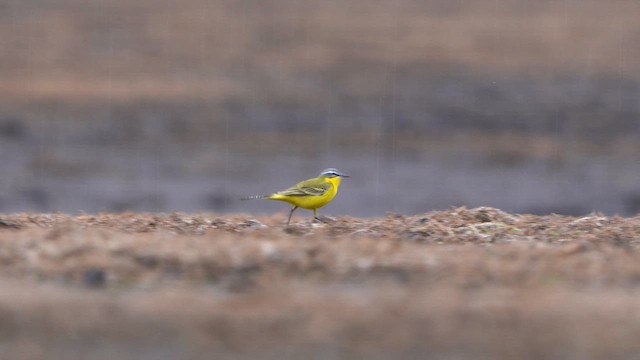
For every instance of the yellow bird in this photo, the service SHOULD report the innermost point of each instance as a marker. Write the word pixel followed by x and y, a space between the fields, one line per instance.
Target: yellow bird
pixel 309 194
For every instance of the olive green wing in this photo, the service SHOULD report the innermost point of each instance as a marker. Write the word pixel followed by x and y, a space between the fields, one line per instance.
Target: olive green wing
pixel 311 187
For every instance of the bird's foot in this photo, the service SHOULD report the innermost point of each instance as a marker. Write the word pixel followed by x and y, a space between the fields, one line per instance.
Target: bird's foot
pixel 324 219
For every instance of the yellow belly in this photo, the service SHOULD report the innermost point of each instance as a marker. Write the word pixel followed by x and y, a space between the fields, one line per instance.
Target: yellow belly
pixel 307 201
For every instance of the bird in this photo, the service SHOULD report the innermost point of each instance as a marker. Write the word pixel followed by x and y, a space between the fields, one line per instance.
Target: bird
pixel 310 194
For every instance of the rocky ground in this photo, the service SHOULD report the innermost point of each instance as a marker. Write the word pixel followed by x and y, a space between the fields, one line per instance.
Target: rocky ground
pixel 457 284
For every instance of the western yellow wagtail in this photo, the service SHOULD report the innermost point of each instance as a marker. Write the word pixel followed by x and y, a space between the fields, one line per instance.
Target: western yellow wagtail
pixel 309 194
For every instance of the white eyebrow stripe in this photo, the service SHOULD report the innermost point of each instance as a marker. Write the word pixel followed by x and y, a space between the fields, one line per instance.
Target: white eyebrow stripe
pixel 331 172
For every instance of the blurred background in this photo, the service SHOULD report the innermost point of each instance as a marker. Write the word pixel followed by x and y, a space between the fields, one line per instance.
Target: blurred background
pixel 116 105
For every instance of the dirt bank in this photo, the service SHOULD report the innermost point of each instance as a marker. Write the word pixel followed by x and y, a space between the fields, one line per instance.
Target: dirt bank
pixel 464 283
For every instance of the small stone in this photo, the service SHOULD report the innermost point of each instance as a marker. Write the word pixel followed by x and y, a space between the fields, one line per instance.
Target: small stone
pixel 95 278
pixel 8 224
pixel 254 224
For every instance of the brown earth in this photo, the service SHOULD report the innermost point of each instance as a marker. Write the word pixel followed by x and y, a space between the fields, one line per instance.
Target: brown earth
pixel 463 284
pixel 193 66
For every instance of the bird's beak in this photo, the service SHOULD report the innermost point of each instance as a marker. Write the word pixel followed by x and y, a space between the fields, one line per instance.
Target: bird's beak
pixel 344 175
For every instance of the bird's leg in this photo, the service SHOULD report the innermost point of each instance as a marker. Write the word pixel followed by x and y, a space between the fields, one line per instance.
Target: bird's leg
pixel 291 213
pixel 315 214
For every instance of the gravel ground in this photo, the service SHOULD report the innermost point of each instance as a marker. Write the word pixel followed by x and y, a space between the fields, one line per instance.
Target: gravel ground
pixel 457 284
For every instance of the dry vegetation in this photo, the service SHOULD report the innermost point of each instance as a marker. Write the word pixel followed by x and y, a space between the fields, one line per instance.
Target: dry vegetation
pixel 464 283
pixel 290 64
pixel 130 51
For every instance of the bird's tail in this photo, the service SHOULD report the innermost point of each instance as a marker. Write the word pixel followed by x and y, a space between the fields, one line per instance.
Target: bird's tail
pixel 253 197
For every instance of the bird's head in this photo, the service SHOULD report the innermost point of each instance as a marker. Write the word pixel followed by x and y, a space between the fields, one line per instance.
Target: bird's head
pixel 332 173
